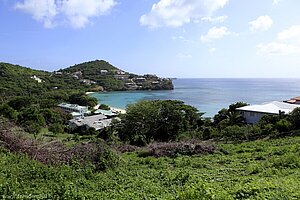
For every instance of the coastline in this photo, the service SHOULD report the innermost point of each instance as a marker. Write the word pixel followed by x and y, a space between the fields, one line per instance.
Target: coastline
pixel 114 109
pixel 87 93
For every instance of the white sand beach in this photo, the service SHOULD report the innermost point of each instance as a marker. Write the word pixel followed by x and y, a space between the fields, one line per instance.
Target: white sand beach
pixel 119 110
pixel 89 93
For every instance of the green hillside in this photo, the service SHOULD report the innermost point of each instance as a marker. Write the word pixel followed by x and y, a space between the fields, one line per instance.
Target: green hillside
pixel 263 169
pixel 16 80
pixel 113 78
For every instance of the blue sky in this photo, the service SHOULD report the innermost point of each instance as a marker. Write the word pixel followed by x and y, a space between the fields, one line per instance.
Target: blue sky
pixel 172 38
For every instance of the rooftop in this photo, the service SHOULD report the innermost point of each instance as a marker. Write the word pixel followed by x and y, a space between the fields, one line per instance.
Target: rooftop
pixel 296 98
pixel 105 112
pixel 67 105
pixel 271 108
pixel 96 121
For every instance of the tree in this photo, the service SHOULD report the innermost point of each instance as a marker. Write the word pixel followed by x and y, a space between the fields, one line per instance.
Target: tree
pixel 18 103
pixel 83 100
pixel 56 128
pixel 8 112
pixel 230 116
pixel 159 120
pixel 51 116
pixel 295 118
pixel 104 107
pixel 31 119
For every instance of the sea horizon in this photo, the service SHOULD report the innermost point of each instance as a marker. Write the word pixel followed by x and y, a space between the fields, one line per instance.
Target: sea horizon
pixel 209 95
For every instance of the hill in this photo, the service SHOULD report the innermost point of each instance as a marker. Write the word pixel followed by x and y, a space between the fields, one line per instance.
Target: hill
pixel 17 80
pixel 113 78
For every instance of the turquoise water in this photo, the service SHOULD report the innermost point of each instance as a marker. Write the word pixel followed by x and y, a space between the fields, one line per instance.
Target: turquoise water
pixel 211 95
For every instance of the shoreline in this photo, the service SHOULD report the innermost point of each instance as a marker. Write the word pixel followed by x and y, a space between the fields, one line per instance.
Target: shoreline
pixel 87 93
pixel 119 110
pixel 114 109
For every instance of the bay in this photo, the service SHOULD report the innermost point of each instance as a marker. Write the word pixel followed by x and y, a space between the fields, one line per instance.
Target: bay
pixel 210 95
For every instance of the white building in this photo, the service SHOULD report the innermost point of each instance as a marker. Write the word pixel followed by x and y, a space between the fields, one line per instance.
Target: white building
pixel 36 78
pixel 96 121
pixel 103 71
pixel 74 109
pixel 253 113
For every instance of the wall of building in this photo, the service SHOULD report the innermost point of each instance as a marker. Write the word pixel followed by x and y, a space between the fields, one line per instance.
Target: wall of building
pixel 252 117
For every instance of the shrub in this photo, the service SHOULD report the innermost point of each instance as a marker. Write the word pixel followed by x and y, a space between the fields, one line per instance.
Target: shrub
pixel 160 120
pixel 283 125
pixel 8 112
pixel 104 107
pixel 97 154
pixel 175 149
pixel 56 128
pixel 295 118
pixel 241 132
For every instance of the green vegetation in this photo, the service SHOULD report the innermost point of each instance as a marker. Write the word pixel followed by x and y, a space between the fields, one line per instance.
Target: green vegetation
pixel 149 121
pixel 113 78
pixel 251 170
pixel 17 81
pixel 177 154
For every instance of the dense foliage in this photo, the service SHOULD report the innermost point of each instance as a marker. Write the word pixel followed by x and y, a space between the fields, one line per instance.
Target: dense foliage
pixel 17 81
pixel 160 120
pixel 184 169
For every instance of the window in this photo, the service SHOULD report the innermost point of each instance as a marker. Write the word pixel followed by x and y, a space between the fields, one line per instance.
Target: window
pixel 252 114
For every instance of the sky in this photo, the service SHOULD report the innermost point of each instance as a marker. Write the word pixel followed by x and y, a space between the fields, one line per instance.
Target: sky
pixel 170 38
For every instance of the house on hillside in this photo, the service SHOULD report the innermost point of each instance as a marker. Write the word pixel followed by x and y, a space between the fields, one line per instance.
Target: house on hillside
pixel 103 71
pixel 36 79
pixel 253 113
pixel 140 80
pixel 74 109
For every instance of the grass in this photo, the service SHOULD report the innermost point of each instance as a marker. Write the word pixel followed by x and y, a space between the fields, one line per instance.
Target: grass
pixel 265 169
pixel 69 140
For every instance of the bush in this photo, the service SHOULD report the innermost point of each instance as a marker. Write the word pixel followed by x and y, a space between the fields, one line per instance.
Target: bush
pixel 83 100
pixel 8 112
pixel 283 125
pixel 241 132
pixel 56 128
pixel 104 107
pixel 97 154
pixel 175 149
pixel 160 120
pixel 295 118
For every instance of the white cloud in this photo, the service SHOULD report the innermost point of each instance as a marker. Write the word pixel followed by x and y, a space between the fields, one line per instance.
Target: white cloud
pixel 287 43
pixel 77 13
pixel 214 20
pixel 43 11
pixel 275 2
pixel 291 33
pixel 276 48
pixel 175 13
pixel 215 33
pixel 262 23
pixel 212 50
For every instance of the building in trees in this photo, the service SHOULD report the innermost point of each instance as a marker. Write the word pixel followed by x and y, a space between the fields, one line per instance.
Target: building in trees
pixel 254 113
pixel 74 109
pixel 96 121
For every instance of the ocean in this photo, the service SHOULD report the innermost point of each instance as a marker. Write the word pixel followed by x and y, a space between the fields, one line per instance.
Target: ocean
pixel 211 95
